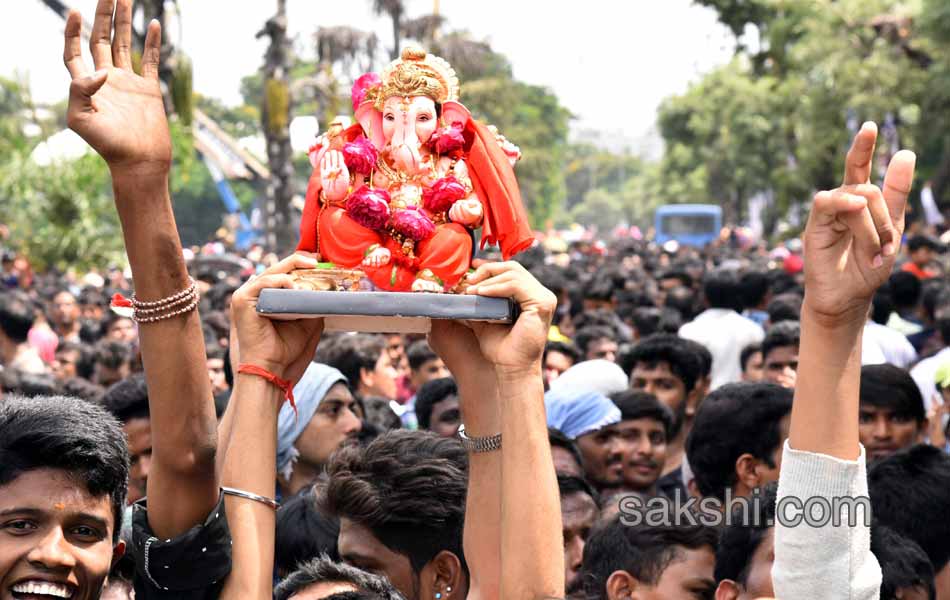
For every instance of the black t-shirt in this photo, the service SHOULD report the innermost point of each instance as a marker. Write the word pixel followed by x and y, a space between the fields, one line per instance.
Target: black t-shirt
pixel 191 566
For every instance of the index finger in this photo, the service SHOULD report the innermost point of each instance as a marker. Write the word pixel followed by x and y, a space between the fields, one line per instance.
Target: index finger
pixel 72 53
pixel 857 165
pixel 297 260
pixel 100 42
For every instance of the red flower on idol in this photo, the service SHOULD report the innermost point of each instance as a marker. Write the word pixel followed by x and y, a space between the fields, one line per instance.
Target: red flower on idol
pixel 443 194
pixel 361 86
pixel 369 208
pixel 448 139
pixel 412 223
pixel 360 155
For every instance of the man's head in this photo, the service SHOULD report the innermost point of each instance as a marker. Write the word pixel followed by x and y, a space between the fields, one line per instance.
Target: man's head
pixel 596 341
pixel 736 440
pixel 921 249
pixel 558 357
pixel 910 492
pixel 722 290
pixel 644 431
pixel 754 287
pixel 16 317
pixel 785 307
pixel 112 363
pixel 437 407
pixel 363 359
pixel 64 310
pixel 567 457
pixel 424 364
pixel 750 359
pixel 780 353
pixel 892 413
pixel 586 418
pixel 63 471
pixel 905 290
pixel 578 515
pixel 214 360
pixel 401 504
pixel 304 531
pixel 746 550
pixel 667 367
pixel 648 562
pixel 325 579
pixel 92 304
pixel 128 402
pixel 906 571
pixel 118 328
pixel 72 360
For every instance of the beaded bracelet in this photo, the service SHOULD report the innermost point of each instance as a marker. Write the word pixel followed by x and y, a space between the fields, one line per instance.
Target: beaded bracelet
pixel 139 304
pixel 161 317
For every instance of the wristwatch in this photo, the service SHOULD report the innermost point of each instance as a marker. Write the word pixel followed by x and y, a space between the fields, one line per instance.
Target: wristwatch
pixel 482 444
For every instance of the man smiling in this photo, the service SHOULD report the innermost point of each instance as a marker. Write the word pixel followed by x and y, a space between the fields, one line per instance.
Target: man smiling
pixel 63 472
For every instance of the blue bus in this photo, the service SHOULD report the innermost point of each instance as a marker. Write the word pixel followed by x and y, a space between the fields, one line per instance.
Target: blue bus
pixel 688 224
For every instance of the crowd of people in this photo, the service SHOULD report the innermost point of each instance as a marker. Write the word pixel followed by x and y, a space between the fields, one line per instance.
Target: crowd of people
pixel 729 422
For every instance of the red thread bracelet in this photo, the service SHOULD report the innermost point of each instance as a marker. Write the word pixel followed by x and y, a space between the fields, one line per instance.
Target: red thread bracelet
pixel 285 385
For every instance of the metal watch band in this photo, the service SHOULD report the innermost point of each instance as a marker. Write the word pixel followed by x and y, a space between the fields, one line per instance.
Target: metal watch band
pixel 482 444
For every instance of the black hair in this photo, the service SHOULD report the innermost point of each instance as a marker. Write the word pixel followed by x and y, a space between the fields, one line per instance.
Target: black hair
pixel 904 565
pixel 27 384
pixel 683 300
pixel 882 305
pixel 84 389
pixel 747 353
pixel 303 531
pixel 565 348
pixel 419 353
pixel 753 287
pixel 785 307
pixel 408 488
pixel 326 570
pixel 112 354
pixel 909 491
pixel 68 434
pixel 643 551
pixel 922 241
pixel 735 419
pixel 721 289
pixel 702 354
pixel 351 354
pixel 557 439
pixel 591 333
pixel 739 540
pixel 379 414
pixel 887 386
pixel 905 289
pixel 127 399
pixel 935 291
pixel 648 320
pixel 431 393
pixel 16 315
pixel 637 404
pixel 682 358
pixel 91 296
pixel 85 357
pixel 782 334
pixel 682 276
pixel 571 484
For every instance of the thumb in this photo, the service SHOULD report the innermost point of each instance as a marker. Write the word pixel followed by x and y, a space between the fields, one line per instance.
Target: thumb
pixel 84 88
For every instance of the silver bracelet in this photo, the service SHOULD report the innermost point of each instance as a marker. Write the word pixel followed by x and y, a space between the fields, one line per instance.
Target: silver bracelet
pixel 251 496
pixel 482 444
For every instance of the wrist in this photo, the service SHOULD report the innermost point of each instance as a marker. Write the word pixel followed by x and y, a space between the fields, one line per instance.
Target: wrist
pixel 848 320
pixel 268 365
pixel 517 374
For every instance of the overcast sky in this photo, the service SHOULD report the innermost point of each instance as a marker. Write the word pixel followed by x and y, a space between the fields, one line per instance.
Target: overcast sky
pixel 610 62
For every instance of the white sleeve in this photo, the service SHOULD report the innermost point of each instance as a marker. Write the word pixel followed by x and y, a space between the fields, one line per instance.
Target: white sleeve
pixel 815 558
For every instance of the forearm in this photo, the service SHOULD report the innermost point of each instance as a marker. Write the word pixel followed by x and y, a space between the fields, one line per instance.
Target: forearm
pixel 531 541
pixel 480 406
pixel 825 410
pixel 249 466
pixel 182 487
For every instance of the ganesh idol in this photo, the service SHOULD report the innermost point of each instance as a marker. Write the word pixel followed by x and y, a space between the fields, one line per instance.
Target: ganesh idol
pixel 400 194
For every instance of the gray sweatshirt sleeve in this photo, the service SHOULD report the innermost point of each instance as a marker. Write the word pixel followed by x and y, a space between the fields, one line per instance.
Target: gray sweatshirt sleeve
pixel 822 529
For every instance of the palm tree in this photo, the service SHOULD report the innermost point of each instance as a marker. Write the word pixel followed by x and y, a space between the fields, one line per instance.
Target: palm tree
pixel 395 9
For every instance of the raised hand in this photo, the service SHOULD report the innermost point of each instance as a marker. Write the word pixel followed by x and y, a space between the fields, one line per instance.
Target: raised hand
pixel 854 232
pixel 120 114
pixel 334 175
pixel 520 346
pixel 285 348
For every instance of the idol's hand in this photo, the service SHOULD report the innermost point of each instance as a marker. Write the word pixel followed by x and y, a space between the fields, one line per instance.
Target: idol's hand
pixel 334 175
pixel 468 212
pixel 853 235
pixel 120 114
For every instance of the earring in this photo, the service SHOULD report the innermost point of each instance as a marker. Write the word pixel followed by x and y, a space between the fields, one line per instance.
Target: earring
pixel 438 596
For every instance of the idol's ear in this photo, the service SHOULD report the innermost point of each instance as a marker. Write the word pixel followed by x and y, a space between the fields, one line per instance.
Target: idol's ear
pixel 372 122
pixel 455 112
